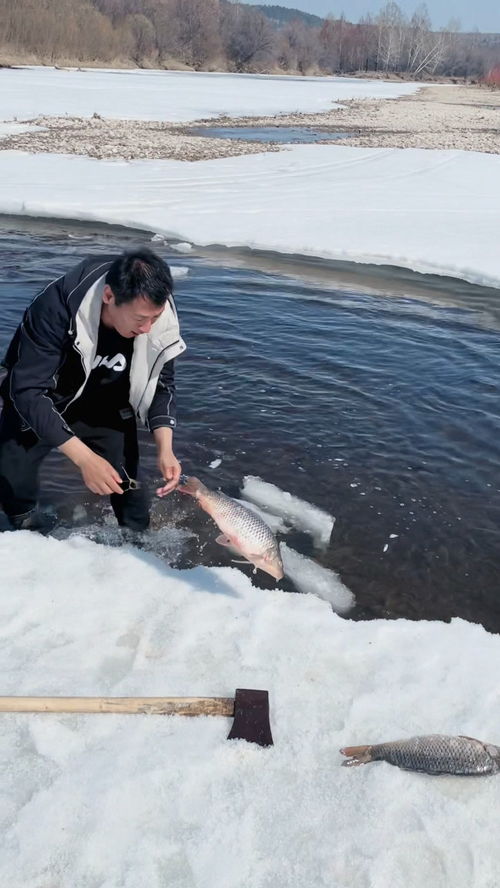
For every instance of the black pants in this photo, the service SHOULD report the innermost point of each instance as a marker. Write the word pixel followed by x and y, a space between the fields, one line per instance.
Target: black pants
pixel 21 454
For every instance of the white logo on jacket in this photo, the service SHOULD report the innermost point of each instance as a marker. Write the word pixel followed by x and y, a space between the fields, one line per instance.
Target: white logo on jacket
pixel 118 363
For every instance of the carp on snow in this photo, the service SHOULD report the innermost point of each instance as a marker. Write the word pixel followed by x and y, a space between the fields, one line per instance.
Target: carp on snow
pixel 433 754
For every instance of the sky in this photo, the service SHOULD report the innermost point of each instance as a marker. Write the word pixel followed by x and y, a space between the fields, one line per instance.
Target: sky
pixel 482 14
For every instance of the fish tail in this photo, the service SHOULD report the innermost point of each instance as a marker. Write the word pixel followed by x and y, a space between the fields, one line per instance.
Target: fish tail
pixel 191 486
pixel 357 755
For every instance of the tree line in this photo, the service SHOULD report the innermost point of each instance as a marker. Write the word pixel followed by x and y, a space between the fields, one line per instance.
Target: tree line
pixel 230 36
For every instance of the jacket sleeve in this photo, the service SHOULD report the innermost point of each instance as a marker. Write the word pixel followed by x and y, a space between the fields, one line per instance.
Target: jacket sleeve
pixel 162 411
pixel 39 353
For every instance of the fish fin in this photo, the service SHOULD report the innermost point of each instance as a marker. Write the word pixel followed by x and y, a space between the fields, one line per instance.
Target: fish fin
pixel 356 755
pixel 223 540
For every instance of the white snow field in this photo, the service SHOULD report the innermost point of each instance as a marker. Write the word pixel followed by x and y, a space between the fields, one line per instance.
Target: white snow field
pixel 430 211
pixel 175 96
pixel 134 801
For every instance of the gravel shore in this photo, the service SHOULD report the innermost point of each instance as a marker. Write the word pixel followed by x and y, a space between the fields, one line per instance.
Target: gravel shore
pixel 438 116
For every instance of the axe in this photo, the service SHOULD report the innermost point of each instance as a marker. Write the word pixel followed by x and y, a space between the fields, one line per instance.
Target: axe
pixel 249 709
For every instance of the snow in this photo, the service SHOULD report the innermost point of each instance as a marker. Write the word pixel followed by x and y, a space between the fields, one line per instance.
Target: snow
pixel 131 800
pixel 295 512
pixel 14 129
pixel 174 96
pixel 430 211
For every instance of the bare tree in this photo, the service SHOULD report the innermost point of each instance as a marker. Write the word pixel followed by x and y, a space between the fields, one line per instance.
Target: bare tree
pixel 391 31
pixel 209 33
pixel 198 30
pixel 144 40
pixel 167 28
pixel 304 46
pixel 247 35
pixel 329 52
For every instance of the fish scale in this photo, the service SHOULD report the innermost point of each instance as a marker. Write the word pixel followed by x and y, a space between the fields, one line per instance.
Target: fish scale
pixel 241 521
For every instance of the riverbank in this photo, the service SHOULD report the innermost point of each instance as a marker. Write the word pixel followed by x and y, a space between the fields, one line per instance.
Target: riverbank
pixel 441 116
pixel 445 116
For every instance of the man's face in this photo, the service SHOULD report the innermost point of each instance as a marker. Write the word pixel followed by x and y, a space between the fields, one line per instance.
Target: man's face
pixel 131 318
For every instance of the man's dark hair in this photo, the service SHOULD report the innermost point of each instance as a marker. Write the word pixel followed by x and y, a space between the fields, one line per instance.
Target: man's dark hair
pixel 140 273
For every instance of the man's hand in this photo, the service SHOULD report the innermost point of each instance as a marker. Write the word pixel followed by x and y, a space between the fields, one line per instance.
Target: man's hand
pixel 168 464
pixel 97 473
pixel 100 476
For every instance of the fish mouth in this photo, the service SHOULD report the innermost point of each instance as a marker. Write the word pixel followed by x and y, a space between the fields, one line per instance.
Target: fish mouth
pixel 190 485
pixel 274 570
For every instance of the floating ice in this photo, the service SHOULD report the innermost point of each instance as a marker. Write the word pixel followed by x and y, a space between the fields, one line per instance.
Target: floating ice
pixel 296 512
pixel 179 271
pixel 181 247
pixel 310 577
pixel 215 464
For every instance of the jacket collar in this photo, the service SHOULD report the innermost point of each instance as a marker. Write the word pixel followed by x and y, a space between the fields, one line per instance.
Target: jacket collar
pixel 163 333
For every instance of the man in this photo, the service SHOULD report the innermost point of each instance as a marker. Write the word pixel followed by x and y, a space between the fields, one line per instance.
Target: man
pixel 94 352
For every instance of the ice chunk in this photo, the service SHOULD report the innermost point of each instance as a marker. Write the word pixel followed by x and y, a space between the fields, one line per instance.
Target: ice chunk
pixel 215 464
pixel 310 577
pixel 181 247
pixel 296 512
pixel 179 271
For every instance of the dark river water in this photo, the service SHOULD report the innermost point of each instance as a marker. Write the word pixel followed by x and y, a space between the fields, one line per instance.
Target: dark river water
pixel 371 394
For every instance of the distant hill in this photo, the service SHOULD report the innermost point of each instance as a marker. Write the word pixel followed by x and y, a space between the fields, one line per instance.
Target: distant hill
pixel 281 15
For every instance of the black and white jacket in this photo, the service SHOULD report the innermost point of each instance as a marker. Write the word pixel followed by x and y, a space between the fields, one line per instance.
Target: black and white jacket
pixel 52 352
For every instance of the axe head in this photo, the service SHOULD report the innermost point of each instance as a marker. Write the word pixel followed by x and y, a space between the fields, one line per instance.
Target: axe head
pixel 251 717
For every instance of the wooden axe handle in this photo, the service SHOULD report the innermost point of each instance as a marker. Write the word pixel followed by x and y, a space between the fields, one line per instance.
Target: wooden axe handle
pixel 149 705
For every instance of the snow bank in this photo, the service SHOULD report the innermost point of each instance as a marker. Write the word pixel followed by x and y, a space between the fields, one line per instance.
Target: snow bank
pixel 294 511
pixel 131 801
pixel 430 211
pixel 174 96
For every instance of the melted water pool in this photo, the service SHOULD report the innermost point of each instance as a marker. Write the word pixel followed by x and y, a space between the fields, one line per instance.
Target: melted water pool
pixel 284 134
